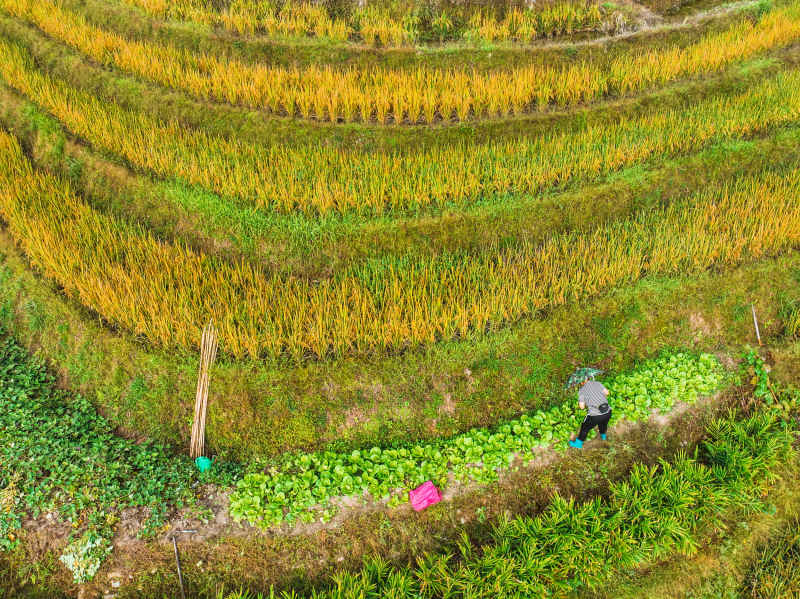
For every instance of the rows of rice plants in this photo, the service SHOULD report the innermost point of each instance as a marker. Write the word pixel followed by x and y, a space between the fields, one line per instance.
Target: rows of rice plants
pixel 159 293
pixel 526 25
pixel 382 25
pixel 310 246
pixel 419 95
pixel 167 292
pixel 319 178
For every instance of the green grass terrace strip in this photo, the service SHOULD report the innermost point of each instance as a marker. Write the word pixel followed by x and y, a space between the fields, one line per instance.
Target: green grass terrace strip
pixel 319 179
pixel 166 293
pixel 659 512
pixel 408 96
pixel 305 486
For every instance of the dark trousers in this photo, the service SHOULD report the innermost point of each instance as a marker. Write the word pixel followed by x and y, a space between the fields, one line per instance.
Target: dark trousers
pixel 601 422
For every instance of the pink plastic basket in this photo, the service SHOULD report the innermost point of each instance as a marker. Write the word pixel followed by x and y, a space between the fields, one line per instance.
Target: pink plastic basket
pixel 424 495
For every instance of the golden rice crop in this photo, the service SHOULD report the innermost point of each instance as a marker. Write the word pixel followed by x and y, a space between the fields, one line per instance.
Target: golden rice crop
pixel 417 94
pixel 323 178
pixel 167 292
pixel 248 16
pixel 373 24
pixel 526 25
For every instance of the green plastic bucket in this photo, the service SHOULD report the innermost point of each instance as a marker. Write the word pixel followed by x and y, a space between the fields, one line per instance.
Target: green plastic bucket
pixel 203 464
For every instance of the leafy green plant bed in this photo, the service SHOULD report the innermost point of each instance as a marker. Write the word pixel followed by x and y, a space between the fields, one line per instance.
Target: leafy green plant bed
pixel 57 454
pixel 657 513
pixel 305 486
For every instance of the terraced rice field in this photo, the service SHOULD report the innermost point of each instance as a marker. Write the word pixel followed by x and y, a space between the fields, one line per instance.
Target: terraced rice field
pixel 409 222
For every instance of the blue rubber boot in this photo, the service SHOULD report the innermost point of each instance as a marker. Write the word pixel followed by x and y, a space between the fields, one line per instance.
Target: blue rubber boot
pixel 577 444
pixel 603 437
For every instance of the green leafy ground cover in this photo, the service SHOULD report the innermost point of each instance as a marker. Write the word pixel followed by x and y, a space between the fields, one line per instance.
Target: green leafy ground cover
pixel 304 486
pixel 57 454
pixel 659 512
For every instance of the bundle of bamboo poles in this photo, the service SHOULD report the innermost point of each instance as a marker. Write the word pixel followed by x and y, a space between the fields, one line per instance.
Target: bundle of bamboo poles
pixel 208 352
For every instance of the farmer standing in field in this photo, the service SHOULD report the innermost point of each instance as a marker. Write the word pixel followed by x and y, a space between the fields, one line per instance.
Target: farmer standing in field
pixel 592 397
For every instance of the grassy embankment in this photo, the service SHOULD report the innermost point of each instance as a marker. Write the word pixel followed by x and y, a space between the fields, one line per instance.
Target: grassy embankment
pixel 314 422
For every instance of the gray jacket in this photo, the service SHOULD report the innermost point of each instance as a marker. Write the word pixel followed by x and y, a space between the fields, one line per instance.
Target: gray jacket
pixel 595 396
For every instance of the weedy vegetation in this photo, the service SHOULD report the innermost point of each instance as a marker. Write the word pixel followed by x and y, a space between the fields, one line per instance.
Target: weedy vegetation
pixel 61 458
